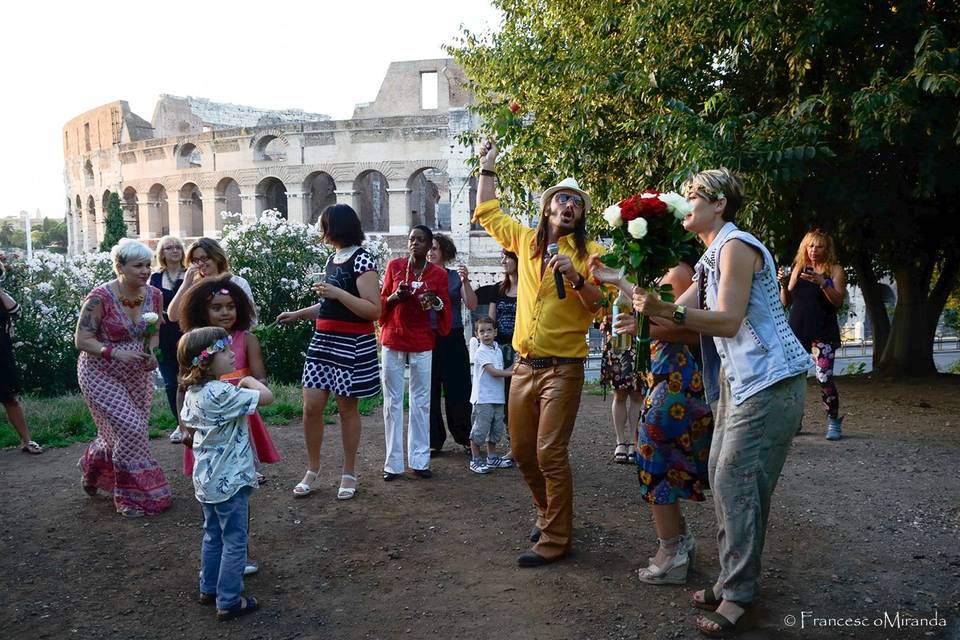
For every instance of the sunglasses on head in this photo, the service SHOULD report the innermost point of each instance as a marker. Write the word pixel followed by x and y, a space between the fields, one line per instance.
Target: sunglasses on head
pixel 562 198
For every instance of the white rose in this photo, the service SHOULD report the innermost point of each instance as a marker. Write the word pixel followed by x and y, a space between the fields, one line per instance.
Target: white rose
pixel 150 317
pixel 676 203
pixel 612 215
pixel 637 227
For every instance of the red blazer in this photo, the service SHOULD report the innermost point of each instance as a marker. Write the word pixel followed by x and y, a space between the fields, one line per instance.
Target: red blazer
pixel 404 325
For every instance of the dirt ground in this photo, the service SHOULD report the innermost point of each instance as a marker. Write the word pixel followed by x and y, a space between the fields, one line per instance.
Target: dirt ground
pixel 861 528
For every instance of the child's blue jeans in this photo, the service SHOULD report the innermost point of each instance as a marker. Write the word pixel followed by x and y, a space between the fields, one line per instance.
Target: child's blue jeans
pixel 223 553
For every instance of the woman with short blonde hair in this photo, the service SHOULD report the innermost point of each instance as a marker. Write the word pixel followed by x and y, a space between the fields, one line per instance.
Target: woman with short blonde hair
pixel 170 261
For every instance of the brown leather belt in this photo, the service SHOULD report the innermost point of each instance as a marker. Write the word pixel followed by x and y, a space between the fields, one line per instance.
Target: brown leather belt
pixel 544 363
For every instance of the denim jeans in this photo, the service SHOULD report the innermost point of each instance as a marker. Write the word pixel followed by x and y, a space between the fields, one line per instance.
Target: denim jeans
pixel 169 370
pixel 223 553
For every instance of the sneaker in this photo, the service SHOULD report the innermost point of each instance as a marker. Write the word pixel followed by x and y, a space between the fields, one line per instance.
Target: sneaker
pixel 477 466
pixel 834 426
pixel 250 568
pixel 496 462
pixel 177 436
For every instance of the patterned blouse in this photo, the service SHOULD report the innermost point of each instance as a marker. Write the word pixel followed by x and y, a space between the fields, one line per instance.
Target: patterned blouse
pixel 221 445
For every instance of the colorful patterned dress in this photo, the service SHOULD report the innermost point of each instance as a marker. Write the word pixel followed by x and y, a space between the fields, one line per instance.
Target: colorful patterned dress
pixel 263 450
pixel 119 395
pixel 676 427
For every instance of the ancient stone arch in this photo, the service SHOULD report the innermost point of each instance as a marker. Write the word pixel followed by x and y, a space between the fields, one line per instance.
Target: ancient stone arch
pixel 270 146
pixel 372 201
pixel 428 198
pixel 319 192
pixel 158 212
pixel 131 211
pixel 188 156
pixel 190 216
pixel 226 198
pixel 91 222
pixel 271 193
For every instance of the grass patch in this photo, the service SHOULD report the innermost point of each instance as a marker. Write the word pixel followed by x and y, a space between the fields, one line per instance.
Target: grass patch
pixel 593 388
pixel 62 420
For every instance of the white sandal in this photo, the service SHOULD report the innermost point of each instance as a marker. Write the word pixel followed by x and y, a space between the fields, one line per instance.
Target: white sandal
pixel 304 489
pixel 347 493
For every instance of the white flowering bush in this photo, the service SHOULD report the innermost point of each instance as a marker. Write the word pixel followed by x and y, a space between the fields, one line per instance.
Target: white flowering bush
pixel 50 289
pixel 277 258
pixel 274 255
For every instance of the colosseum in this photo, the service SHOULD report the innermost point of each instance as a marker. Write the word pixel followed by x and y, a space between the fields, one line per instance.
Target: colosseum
pixel 397 161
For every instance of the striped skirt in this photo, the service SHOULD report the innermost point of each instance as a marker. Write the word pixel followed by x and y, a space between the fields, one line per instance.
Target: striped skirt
pixel 343 363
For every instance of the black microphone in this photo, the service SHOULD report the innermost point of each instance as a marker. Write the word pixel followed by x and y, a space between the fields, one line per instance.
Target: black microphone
pixel 553 249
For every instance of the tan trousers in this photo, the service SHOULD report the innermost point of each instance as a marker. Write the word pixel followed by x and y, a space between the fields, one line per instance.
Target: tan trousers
pixel 542 411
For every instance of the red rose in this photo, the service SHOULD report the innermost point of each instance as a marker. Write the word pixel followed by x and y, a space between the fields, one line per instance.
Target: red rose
pixel 514 106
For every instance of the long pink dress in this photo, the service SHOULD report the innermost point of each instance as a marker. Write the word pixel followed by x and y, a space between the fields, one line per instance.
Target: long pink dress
pixel 119 395
pixel 263 448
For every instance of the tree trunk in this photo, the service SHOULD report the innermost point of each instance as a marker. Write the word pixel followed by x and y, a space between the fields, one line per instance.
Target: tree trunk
pixel 872 292
pixel 909 349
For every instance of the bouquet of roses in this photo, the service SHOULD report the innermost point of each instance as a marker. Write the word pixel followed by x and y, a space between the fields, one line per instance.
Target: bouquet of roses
pixel 648 241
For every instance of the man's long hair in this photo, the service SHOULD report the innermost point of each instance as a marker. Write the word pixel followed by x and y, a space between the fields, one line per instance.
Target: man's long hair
pixel 579 233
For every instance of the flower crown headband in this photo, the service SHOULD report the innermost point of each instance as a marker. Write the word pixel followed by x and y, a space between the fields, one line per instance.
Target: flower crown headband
pixel 711 193
pixel 216 347
pixel 219 292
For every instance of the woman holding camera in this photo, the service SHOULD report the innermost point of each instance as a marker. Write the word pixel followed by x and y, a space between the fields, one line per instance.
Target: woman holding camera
pixel 813 290
pixel 413 290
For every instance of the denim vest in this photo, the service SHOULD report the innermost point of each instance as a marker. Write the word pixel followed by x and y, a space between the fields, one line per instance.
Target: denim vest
pixel 764 350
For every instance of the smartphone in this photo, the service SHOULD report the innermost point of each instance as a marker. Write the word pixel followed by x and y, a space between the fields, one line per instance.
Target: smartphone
pixel 809 270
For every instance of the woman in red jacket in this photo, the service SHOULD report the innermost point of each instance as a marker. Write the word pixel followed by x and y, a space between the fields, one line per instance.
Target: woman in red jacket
pixel 413 290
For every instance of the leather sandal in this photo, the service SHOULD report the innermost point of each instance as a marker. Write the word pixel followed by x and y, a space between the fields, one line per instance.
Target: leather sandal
pixel 304 487
pixel 621 457
pixel 347 493
pixel 710 602
pixel 728 629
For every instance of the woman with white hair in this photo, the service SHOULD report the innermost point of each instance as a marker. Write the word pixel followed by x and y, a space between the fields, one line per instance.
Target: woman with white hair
pixel 115 371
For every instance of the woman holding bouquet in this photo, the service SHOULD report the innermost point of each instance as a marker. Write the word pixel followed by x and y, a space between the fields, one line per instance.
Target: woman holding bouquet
pixel 754 370
pixel 115 336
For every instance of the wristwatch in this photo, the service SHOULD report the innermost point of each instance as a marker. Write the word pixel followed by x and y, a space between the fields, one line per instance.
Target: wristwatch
pixel 580 282
pixel 680 314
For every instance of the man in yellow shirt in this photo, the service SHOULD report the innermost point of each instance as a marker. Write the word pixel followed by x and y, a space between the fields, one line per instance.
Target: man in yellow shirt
pixel 549 338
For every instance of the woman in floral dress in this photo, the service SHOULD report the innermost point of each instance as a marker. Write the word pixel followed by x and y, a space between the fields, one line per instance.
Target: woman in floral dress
pixel 115 372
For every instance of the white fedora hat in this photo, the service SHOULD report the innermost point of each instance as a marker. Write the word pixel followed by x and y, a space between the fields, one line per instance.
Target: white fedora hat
pixel 567 184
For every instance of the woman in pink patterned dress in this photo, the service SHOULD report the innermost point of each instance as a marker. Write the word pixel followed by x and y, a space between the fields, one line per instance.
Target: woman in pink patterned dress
pixel 116 377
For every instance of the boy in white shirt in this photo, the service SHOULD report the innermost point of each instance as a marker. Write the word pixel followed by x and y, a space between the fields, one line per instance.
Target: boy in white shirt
pixel 487 398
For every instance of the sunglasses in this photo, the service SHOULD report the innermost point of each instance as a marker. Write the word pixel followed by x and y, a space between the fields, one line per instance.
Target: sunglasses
pixel 563 198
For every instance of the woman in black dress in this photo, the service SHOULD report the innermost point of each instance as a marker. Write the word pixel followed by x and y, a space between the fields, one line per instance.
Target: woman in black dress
pixel 814 290
pixel 9 381
pixel 169 258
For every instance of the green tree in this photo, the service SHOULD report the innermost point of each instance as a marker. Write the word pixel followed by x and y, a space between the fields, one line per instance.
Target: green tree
pixel 116 228
pixel 840 114
pixel 12 235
